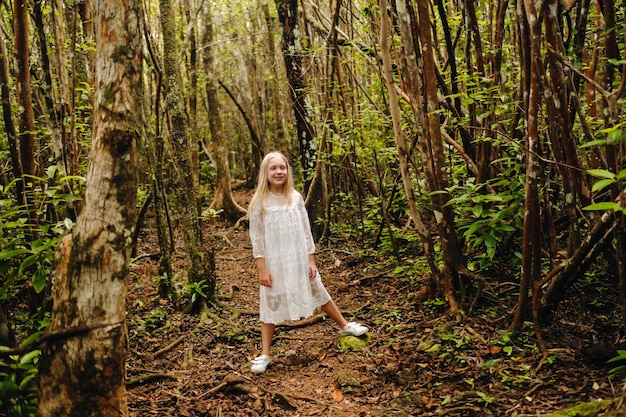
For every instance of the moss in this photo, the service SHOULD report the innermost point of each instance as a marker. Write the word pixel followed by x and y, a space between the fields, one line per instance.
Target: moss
pixel 353 342
pixel 604 408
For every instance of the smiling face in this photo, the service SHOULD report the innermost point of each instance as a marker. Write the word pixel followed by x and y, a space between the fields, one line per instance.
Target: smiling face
pixel 277 172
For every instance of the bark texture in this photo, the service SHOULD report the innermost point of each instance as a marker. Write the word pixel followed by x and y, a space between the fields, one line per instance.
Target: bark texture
pixel 84 374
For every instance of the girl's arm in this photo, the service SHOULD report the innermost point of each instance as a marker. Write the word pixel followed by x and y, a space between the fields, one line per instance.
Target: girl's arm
pixel 257 239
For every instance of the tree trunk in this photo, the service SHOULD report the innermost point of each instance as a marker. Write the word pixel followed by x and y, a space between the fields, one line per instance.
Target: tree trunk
pixel 298 90
pixel 22 79
pixel 292 53
pixel 9 125
pixel 436 175
pixel 197 267
pixel 531 243
pixel 223 198
pixel 192 70
pixel 274 91
pixel 394 111
pixel 84 374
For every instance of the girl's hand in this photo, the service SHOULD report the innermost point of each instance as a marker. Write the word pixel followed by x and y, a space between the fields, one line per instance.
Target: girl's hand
pixel 265 279
pixel 312 267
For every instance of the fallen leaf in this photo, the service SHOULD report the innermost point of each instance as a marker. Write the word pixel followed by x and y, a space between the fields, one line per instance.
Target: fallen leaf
pixel 494 349
pixel 337 395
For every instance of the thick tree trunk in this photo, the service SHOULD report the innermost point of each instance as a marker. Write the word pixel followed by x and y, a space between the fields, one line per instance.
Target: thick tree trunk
pixel 84 374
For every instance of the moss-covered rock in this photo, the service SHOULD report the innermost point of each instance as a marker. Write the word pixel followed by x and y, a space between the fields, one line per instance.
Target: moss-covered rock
pixel 353 342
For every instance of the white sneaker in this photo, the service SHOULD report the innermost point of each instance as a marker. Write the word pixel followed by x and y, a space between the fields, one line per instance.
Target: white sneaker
pixel 353 329
pixel 259 364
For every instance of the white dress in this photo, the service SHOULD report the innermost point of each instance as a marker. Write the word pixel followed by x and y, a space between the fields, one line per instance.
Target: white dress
pixel 282 235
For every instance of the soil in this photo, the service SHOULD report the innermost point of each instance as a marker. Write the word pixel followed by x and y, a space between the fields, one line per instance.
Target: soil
pixel 418 360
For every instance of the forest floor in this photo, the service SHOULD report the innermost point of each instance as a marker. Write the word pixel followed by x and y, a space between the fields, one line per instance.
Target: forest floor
pixel 418 361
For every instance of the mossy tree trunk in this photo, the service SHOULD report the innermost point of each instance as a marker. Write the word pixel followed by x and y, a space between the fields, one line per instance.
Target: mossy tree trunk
pixel 298 89
pixel 187 205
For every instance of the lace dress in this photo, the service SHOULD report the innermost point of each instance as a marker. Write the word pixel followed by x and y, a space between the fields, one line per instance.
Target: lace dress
pixel 282 235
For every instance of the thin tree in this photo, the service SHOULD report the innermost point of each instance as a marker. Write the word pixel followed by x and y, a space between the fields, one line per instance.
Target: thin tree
pixel 82 369
pixel 315 191
pixel 198 267
pixel 26 118
pixel 223 198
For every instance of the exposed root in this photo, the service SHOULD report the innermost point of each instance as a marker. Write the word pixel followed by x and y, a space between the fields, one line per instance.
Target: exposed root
pixel 235 384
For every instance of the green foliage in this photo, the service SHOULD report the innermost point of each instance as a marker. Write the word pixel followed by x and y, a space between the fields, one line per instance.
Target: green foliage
pixel 606 180
pixel 195 290
pixel 488 219
pixel 621 357
pixel 19 389
pixel 19 396
pixel 24 260
pixel 156 319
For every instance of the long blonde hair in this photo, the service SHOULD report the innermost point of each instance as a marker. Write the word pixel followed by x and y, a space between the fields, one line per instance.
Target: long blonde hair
pixel 263 189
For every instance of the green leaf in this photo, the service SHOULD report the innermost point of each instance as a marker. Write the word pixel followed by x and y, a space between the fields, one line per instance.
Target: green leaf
pixel 30 357
pixel 601 173
pixel 621 355
pixel 12 253
pixel 602 206
pixel 620 368
pixel 39 280
pixel 30 339
pixel 477 210
pixel 597 142
pixel 28 262
pixel 602 184
pixel 615 136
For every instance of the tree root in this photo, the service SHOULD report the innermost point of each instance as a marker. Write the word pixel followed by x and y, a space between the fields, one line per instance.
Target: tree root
pixel 142 379
pixel 159 352
pixel 234 384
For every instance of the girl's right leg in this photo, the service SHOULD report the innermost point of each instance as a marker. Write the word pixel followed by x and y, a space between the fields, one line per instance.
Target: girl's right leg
pixel 259 364
pixel 267 334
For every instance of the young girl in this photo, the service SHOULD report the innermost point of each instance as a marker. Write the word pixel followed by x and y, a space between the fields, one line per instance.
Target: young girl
pixel 282 244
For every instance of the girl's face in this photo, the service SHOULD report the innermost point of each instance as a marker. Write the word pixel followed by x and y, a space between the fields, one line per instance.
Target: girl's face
pixel 276 174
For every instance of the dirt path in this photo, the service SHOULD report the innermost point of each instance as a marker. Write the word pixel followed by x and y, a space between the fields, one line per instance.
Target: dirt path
pixel 418 362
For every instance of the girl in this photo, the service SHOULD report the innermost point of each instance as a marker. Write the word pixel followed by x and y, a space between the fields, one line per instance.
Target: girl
pixel 283 247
